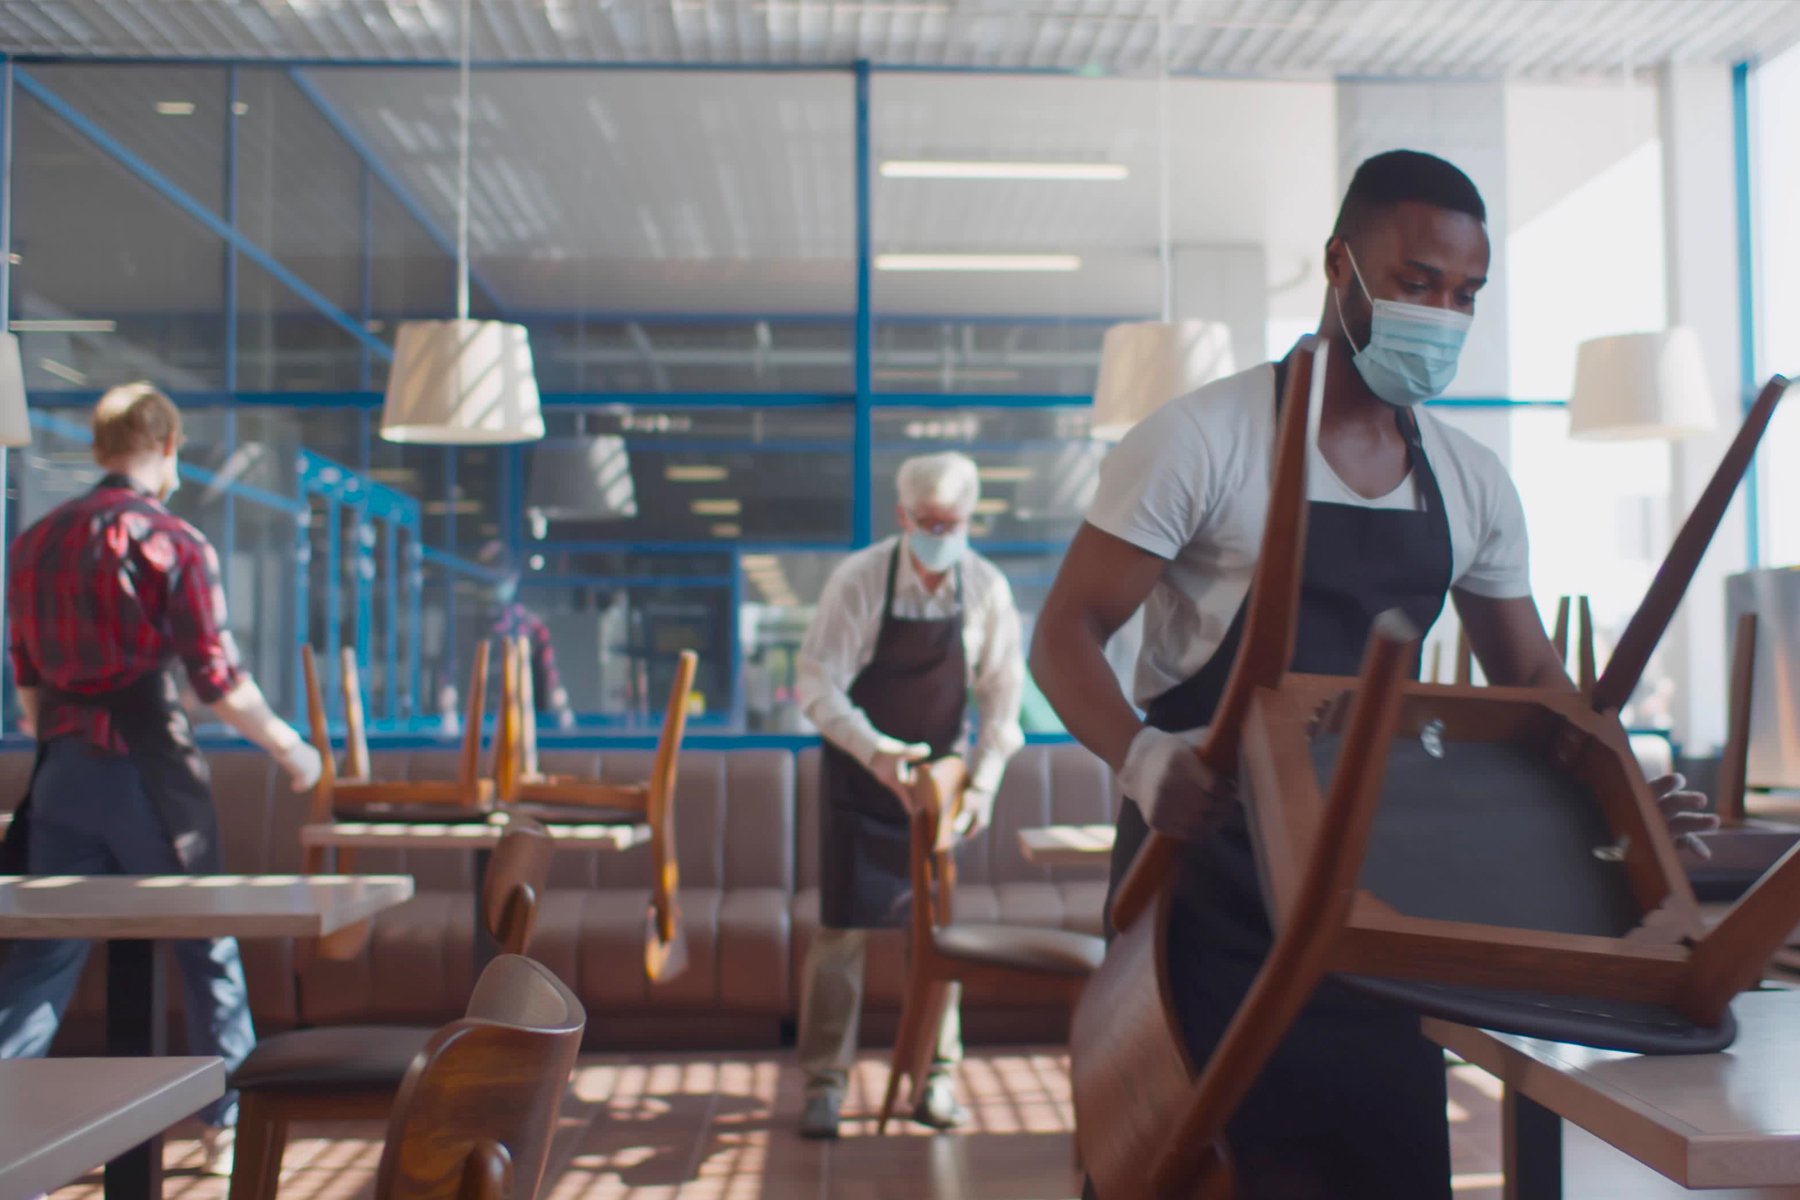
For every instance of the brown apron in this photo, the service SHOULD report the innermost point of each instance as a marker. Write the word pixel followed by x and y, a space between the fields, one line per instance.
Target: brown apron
pixel 160 742
pixel 916 689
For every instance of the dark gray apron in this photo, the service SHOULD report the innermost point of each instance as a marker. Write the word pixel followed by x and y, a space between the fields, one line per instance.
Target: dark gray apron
pixel 1351 1106
pixel 916 689
pixel 159 740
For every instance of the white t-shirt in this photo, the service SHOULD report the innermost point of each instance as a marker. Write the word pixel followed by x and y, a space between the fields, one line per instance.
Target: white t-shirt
pixel 1191 482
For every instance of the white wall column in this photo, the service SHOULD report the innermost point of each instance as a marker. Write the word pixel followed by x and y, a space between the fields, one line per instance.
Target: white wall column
pixel 1700 244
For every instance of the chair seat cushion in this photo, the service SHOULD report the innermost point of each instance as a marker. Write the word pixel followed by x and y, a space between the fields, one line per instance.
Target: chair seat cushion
pixel 332 1056
pixel 1054 950
pixel 1603 1024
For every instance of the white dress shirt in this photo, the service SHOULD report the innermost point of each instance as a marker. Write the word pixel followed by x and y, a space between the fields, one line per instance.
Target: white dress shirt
pixel 840 642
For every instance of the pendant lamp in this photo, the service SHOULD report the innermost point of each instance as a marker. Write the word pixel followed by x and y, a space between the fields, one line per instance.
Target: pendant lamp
pixel 15 421
pixel 1642 385
pixel 462 382
pixel 581 479
pixel 1146 364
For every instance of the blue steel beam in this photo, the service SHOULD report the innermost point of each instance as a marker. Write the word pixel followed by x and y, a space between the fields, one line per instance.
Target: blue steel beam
pixel 1747 315
pixel 118 152
pixel 862 517
pixel 361 148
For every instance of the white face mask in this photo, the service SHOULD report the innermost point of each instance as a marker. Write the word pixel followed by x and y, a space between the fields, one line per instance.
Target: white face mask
pixel 1413 348
pixel 938 552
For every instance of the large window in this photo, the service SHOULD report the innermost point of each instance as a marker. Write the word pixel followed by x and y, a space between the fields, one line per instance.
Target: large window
pixel 683 248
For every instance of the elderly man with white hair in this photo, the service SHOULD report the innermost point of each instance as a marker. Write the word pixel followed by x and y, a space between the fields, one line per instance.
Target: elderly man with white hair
pixel 906 631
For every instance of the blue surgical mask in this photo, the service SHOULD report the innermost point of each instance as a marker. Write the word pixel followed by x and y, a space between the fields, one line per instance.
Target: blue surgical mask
pixel 1412 350
pixel 938 552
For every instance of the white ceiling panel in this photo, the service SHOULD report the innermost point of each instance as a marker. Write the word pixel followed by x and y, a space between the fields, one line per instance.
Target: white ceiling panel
pixel 1540 39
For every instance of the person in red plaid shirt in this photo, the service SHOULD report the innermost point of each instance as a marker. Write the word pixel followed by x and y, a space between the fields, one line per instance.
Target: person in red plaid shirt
pixel 107 593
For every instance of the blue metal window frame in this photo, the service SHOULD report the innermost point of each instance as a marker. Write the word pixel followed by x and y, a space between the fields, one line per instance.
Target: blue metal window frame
pixel 863 400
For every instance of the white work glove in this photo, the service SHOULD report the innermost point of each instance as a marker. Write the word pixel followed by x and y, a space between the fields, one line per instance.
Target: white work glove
pixel 302 764
pixel 1174 790
pixel 977 812
pixel 1685 812
pixel 892 763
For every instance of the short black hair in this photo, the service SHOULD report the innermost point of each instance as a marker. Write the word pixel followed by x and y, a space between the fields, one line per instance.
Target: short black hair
pixel 1399 176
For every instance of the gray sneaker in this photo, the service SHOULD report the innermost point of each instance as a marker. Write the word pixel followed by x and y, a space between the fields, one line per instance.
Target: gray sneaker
pixel 819 1119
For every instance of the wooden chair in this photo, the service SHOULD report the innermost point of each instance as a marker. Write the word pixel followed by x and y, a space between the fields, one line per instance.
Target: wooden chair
pixel 1584 674
pixel 1743 848
pixel 562 799
pixel 476 1113
pixel 350 1071
pixel 354 795
pixel 1044 963
pixel 1388 852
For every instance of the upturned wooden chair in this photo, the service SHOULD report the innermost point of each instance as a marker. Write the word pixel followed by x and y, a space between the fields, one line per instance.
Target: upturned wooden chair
pixel 1389 850
pixel 476 1113
pixel 339 1072
pixel 354 795
pixel 561 799
pixel 1042 963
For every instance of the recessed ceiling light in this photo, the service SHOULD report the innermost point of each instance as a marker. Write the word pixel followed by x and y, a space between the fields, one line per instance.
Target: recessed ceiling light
pixel 175 108
pixel 760 562
pixel 63 371
pixel 1007 474
pixel 694 473
pixel 64 325
pixel 1073 172
pixel 717 508
pixel 727 530
pixel 992 507
pixel 978 262
pixel 240 107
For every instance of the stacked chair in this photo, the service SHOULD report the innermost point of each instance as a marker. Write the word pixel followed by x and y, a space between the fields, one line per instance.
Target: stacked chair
pixel 524 788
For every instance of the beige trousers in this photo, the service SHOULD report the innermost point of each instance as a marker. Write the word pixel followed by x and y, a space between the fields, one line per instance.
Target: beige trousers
pixel 831 1013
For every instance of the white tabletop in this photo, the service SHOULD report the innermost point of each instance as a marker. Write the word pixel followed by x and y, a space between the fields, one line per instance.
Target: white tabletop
pixel 1067 845
pixel 464 835
pixel 1703 1120
pixel 62 1117
pixel 189 906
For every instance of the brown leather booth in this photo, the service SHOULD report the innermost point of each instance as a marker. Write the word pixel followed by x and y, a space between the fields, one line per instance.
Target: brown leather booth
pixel 747 829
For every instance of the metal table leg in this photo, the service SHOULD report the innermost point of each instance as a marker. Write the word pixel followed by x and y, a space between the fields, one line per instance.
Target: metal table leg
pixel 136 1025
pixel 1532 1148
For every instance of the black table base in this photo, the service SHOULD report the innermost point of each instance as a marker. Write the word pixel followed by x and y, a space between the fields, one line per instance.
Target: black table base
pixel 136 1026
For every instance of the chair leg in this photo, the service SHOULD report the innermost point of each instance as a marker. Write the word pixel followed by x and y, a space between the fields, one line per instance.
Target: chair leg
pixel 912 1032
pixel 925 1038
pixel 262 1133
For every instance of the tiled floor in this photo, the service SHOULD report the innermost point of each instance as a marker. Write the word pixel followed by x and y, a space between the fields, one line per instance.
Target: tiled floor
pixel 698 1127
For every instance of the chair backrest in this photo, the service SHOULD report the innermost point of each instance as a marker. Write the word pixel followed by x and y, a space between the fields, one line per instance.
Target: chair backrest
pixel 468 769
pixel 527 702
pixel 1734 761
pixel 517 874
pixel 665 952
pixel 356 734
pixel 936 786
pixel 475 1115
pixel 320 729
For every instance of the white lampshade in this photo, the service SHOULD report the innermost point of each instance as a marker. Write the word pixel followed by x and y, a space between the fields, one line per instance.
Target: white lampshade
pixel 580 479
pixel 1146 364
pixel 1642 385
pixel 15 423
pixel 462 383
